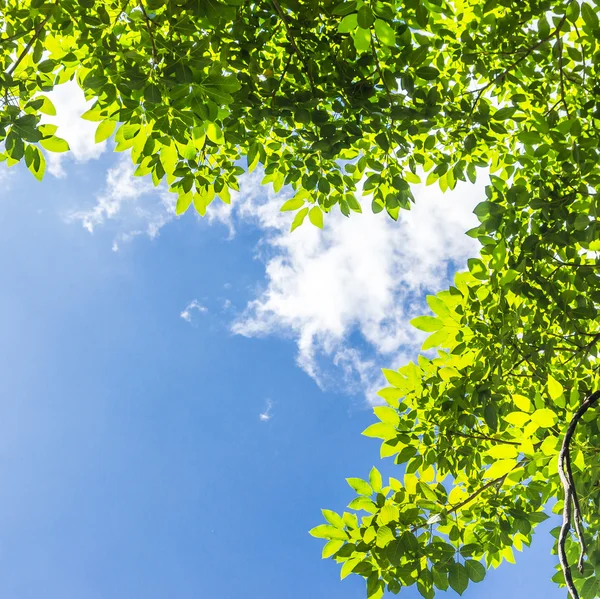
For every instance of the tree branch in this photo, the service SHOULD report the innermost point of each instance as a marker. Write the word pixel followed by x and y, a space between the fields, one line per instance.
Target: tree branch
pixel 293 42
pixel 482 438
pixel 281 78
pixel 506 71
pixel 570 500
pixel 34 37
pixel 562 77
pixel 149 28
pixel 378 67
pixel 487 485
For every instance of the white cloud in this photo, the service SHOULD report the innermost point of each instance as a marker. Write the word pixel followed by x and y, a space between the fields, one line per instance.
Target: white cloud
pixel 133 204
pixel 347 293
pixel 70 104
pixel 266 415
pixel 187 312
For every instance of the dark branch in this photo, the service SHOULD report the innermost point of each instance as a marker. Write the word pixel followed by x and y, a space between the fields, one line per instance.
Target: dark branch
pixel 149 28
pixel 379 71
pixel 506 71
pixel 482 437
pixel 283 73
pixel 562 75
pixel 34 37
pixel 293 42
pixel 570 500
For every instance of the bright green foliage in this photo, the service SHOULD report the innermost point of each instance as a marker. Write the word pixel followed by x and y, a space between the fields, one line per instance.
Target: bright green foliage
pixel 321 94
pixel 327 96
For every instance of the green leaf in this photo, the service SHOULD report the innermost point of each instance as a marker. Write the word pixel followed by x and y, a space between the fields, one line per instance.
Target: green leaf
pixel 573 11
pixel 326 531
pixel 490 415
pixel 292 204
pixel 375 480
pixel 362 39
pixel 543 27
pixel 365 17
pixel 502 451
pixel 498 256
pixel 152 94
pixel 35 162
pixel 184 201
pixel 380 430
pixel 384 536
pixel 385 34
pixel 475 570
pixel 348 566
pixel 523 403
pixel 54 144
pixel 427 73
pixel 500 468
pixel 427 323
pixel 544 417
pixel 214 133
pixel 299 218
pixel 395 552
pixel 555 389
pixel 332 547
pixel 458 578
pixel 348 24
pixel 104 130
pixel 315 216
pixel 362 487
pixel 47 107
pixel 427 492
pixel 394 378
pixel 344 8
pixel 94 80
pixel 589 15
pixel 333 518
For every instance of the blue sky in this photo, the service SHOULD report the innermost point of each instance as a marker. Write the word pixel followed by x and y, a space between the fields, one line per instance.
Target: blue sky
pixel 134 458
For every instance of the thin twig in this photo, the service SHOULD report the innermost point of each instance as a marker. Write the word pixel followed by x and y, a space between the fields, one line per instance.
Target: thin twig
pixel 475 494
pixel 570 500
pixel 378 66
pixel 293 42
pixel 562 78
pixel 285 68
pixel 516 63
pixel 149 28
pixel 582 52
pixel 15 37
pixel 487 485
pixel 482 438
pixel 34 37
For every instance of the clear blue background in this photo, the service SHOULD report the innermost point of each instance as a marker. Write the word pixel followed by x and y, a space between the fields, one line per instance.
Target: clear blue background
pixel 132 459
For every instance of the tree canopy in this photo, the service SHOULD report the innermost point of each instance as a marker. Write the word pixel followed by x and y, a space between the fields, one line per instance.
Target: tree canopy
pixel 358 99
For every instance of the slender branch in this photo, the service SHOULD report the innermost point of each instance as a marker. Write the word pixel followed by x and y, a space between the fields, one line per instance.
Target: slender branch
pixel 582 53
pixel 552 107
pixel 34 37
pixel 576 264
pixel 562 76
pixel 285 68
pixel 482 438
pixel 501 76
pixel 149 28
pixel 570 500
pixel 120 12
pixel 487 485
pixel 293 42
pixel 15 37
pixel 378 66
